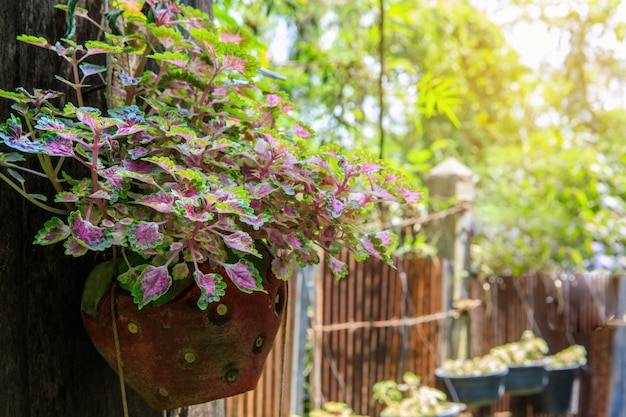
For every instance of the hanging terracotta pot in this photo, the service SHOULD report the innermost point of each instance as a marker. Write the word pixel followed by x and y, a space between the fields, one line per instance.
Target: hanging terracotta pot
pixel 176 354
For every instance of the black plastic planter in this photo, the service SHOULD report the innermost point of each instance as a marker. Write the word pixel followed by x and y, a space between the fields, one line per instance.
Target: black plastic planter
pixel 474 389
pixel 526 379
pixel 557 396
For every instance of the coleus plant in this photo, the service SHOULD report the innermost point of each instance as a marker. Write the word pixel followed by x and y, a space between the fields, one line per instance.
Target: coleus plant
pixel 195 160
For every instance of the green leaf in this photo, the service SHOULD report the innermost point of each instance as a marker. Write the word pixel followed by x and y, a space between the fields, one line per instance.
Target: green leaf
pixel 35 40
pixel 71 18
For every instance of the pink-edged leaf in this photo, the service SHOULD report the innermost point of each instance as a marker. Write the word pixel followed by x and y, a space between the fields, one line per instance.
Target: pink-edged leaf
pixel 387 238
pixel 163 202
pixel 283 268
pixel 409 195
pixel 111 175
pixel 295 240
pixel 102 194
pixel 286 108
pixel 384 194
pixel 273 99
pixel 155 281
pixel 35 40
pixel 177 59
pixel 90 116
pixel 244 275
pixel 368 168
pixel 229 37
pixel 144 235
pixel 303 131
pixel 337 267
pixel 256 221
pixel 211 286
pixel 54 230
pixel 185 208
pixel 260 190
pixel 92 237
pixel 242 242
pixel 371 248
pixel 234 63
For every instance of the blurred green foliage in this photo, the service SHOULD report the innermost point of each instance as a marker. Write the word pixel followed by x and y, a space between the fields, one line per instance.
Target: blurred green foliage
pixel 547 143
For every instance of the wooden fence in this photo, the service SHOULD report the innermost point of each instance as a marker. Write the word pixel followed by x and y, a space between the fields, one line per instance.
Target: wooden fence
pixel 563 309
pixel 375 325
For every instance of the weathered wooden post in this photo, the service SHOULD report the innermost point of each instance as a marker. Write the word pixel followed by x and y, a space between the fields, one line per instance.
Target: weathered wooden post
pixel 452 182
pixel 617 394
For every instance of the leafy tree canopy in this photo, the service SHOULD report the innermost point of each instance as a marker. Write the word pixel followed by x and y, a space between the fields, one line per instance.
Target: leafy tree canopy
pixel 546 141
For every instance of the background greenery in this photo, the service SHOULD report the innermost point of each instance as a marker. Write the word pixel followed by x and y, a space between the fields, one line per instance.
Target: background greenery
pixel 546 140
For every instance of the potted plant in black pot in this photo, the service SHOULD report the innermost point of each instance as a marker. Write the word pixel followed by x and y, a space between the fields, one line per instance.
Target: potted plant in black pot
pixel 525 360
pixel 196 187
pixel 562 368
pixel 476 381
pixel 413 399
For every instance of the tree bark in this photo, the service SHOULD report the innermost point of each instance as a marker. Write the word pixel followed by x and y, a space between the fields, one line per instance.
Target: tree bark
pixel 48 366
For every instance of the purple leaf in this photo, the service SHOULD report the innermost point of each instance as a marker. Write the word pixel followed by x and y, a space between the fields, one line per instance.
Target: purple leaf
pixel 74 248
pixel 91 69
pixel 140 167
pixel 211 286
pixel 242 242
pixel 409 196
pixel 66 197
pixel 163 202
pixel 139 152
pixel 244 275
pixel 370 247
pixel 54 230
pixel 110 175
pixel 273 99
pixel 57 146
pixel 13 136
pixel 338 268
pixel 368 168
pixel 234 63
pixel 90 116
pixel 127 80
pixel 335 206
pixel 283 268
pixel 185 208
pixel 144 235
pixel 92 237
pixel 155 281
pixel 303 131
pixel 295 241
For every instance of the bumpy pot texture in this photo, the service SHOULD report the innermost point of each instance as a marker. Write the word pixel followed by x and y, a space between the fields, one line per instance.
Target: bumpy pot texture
pixel 176 354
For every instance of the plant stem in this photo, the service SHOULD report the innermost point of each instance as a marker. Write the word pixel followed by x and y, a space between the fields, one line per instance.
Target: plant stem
pixel 30 199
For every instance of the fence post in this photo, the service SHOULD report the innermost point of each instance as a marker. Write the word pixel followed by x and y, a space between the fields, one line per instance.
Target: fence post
pixel 617 393
pixel 452 182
